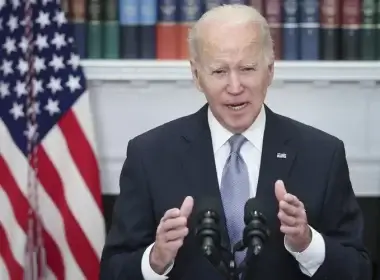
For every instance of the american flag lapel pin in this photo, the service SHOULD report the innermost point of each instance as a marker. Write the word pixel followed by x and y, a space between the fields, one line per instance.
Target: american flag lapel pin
pixel 281 155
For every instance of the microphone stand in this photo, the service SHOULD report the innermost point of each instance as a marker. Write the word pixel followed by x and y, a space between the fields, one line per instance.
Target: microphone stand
pixel 228 267
pixel 238 247
pixel 259 230
pixel 234 271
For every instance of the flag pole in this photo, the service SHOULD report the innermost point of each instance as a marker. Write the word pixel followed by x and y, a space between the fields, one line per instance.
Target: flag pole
pixel 35 268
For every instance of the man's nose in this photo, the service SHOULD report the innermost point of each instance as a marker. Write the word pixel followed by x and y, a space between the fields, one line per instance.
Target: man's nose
pixel 234 83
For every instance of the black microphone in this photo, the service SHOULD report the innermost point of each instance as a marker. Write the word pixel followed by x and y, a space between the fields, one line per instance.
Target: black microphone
pixel 256 231
pixel 207 229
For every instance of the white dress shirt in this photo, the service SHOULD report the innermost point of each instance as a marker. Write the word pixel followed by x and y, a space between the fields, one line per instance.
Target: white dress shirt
pixel 310 259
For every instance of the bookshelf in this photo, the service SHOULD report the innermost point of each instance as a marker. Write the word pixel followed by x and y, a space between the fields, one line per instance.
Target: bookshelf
pixel 179 70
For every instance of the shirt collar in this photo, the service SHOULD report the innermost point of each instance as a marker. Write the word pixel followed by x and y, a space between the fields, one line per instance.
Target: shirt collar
pixel 254 134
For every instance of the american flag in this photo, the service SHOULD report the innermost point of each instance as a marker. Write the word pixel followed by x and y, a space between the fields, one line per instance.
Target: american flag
pixel 51 221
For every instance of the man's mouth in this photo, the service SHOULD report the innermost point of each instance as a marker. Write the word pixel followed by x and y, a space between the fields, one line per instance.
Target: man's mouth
pixel 237 106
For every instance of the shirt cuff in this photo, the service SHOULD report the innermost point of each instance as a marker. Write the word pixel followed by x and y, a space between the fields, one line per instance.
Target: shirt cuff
pixel 313 256
pixel 147 271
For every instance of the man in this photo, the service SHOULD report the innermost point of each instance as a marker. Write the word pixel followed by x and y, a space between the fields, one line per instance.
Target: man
pixel 298 173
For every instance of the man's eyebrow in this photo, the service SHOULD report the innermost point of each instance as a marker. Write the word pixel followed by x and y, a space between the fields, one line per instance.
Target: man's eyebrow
pixel 252 64
pixel 216 66
pixel 242 64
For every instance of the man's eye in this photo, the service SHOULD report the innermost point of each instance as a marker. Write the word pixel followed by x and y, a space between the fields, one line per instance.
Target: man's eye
pixel 247 69
pixel 220 71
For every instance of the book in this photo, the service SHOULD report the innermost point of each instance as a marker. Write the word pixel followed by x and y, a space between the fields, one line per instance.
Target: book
pixel 66 9
pixel 351 12
pixel 129 28
pixel 147 33
pixel 210 4
pixel 290 31
pixel 258 5
pixel 94 29
pixel 79 21
pixel 330 21
pixel 274 17
pixel 167 30
pixel 309 30
pixel 368 30
pixel 189 11
pixel 377 17
pixel 111 30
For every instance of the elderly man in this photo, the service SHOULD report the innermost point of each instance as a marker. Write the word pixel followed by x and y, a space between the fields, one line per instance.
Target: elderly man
pixel 298 173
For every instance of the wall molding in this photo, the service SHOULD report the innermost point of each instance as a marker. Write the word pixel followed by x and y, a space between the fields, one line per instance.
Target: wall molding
pixel 178 70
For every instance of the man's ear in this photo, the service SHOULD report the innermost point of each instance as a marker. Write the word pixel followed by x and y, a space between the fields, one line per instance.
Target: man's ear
pixel 195 73
pixel 270 72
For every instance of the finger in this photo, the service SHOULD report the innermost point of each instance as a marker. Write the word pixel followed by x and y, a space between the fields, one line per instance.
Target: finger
pixel 176 244
pixel 170 214
pixel 279 189
pixel 187 206
pixel 289 230
pixel 289 209
pixel 292 199
pixel 286 219
pixel 179 222
pixel 176 234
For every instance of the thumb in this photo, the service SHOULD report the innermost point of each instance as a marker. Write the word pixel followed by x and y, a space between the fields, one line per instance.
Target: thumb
pixel 187 206
pixel 279 189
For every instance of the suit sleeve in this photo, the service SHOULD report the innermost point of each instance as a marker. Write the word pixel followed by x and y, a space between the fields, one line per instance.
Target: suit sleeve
pixel 342 227
pixel 133 225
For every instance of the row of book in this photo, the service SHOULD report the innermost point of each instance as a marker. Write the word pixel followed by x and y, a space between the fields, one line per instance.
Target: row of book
pixel 157 29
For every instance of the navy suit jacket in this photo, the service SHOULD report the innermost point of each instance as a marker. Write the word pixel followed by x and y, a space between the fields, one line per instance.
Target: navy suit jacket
pixel 172 161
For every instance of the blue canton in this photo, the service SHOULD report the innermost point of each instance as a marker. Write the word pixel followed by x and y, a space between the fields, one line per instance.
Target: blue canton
pixel 58 79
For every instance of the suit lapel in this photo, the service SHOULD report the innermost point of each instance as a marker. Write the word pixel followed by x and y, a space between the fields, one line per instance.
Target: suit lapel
pixel 198 165
pixel 276 161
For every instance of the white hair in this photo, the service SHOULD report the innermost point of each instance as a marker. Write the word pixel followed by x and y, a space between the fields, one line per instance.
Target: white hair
pixel 233 14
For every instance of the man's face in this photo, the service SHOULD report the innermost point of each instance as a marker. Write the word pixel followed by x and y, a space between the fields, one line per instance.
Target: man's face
pixel 231 72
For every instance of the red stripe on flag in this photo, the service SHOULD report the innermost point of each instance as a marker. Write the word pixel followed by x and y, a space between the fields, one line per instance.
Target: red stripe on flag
pixel 53 256
pixel 14 268
pixel 82 251
pixel 16 197
pixel 21 205
pixel 82 154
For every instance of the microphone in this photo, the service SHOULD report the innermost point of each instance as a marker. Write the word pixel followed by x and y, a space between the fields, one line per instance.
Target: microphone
pixel 256 231
pixel 208 233
pixel 207 229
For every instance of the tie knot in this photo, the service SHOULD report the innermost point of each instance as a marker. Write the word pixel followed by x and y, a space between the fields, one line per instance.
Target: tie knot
pixel 236 141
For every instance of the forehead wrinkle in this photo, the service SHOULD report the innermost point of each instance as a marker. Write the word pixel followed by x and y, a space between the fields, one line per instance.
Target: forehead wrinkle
pixel 219 40
pixel 217 55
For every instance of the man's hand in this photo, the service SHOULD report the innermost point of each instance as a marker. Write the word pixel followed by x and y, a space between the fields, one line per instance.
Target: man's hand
pixel 170 235
pixel 293 219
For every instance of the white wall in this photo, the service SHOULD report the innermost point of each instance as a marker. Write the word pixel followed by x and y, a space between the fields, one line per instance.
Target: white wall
pixel 346 107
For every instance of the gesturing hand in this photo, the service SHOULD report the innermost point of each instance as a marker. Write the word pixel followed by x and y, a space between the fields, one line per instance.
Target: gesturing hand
pixel 293 219
pixel 170 235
